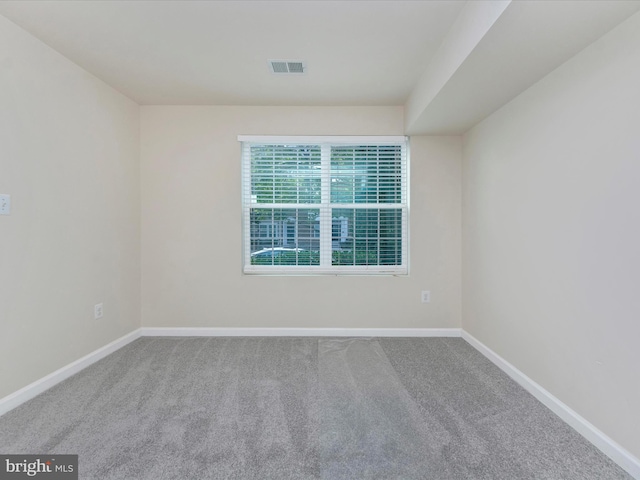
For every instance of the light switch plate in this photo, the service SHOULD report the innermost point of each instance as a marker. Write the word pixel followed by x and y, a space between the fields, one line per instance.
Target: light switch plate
pixel 98 311
pixel 5 204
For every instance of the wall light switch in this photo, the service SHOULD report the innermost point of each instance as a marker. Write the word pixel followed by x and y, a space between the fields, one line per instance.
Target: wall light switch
pixel 426 296
pixel 5 204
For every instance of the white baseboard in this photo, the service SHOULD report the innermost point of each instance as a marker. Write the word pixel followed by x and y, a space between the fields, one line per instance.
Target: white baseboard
pixel 17 398
pixel 299 332
pixel 608 446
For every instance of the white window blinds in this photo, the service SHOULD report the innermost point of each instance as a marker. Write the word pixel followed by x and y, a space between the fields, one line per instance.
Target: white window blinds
pixel 333 205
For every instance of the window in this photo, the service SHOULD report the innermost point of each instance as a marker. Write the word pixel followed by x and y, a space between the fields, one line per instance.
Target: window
pixel 325 205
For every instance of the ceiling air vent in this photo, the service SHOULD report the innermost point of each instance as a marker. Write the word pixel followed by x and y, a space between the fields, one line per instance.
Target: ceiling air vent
pixel 287 66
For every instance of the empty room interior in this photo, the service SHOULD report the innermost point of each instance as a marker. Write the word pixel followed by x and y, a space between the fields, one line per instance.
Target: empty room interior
pixel 320 239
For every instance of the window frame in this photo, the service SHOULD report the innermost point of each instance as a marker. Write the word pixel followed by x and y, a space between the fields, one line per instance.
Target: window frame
pixel 325 206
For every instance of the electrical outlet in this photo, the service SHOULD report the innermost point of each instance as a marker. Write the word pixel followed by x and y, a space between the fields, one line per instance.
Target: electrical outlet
pixel 5 204
pixel 98 311
pixel 426 296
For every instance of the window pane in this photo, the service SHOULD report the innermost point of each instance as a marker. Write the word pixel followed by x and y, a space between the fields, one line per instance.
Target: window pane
pixel 290 191
pixel 366 174
pixel 285 174
pixel 284 236
pixel 366 236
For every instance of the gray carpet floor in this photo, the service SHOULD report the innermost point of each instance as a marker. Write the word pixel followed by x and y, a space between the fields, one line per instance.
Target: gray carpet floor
pixel 301 408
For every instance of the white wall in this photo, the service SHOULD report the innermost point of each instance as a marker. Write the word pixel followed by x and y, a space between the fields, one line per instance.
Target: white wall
pixel 191 226
pixel 69 148
pixel 551 233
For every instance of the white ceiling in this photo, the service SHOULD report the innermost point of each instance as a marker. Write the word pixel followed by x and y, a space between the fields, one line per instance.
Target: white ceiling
pixel 527 41
pixel 357 52
pixel 216 52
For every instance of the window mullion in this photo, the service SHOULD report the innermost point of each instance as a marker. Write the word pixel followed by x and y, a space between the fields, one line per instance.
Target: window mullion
pixel 325 209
